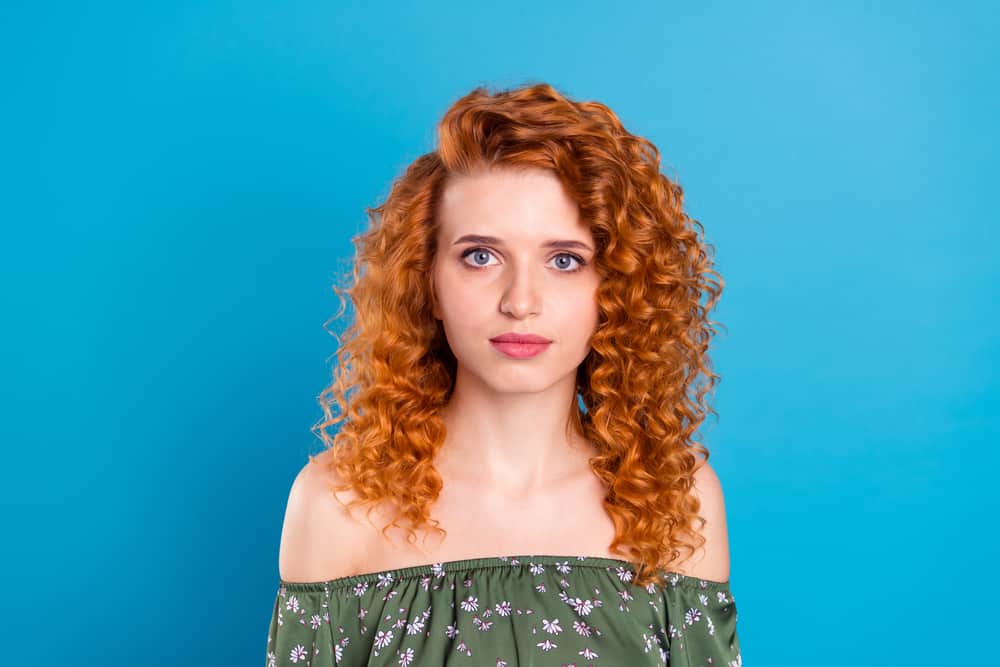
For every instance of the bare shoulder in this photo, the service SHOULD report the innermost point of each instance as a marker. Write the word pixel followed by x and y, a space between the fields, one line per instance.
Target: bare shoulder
pixel 712 560
pixel 320 540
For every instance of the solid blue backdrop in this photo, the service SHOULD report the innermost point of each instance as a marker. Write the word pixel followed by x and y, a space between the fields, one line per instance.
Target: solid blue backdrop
pixel 180 185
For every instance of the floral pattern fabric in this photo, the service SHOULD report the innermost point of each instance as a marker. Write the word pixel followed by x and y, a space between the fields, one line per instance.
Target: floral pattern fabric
pixel 505 611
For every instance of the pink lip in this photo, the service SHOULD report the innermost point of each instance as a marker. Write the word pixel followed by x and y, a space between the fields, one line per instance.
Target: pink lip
pixel 514 337
pixel 520 350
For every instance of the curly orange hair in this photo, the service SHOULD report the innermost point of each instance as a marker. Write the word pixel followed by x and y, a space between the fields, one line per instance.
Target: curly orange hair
pixel 644 382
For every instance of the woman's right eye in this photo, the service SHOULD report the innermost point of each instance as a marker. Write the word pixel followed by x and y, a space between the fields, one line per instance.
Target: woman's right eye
pixel 477 252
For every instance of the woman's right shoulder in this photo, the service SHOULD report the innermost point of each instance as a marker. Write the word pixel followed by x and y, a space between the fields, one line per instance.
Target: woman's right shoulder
pixel 320 539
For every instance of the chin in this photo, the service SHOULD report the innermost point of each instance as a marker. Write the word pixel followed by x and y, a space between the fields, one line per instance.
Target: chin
pixel 521 385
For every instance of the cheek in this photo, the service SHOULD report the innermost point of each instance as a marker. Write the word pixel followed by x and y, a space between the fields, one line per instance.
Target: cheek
pixel 574 310
pixel 463 301
pixel 448 283
pixel 586 313
pixel 585 298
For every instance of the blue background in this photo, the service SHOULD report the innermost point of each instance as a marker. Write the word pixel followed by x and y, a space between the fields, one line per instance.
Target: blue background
pixel 180 185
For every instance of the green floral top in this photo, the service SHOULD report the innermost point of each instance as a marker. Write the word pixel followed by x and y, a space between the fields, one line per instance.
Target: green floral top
pixel 508 611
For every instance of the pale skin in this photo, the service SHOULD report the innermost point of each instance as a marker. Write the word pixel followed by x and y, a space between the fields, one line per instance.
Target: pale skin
pixel 516 478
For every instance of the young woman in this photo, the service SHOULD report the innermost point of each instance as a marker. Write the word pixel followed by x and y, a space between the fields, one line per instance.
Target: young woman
pixel 519 392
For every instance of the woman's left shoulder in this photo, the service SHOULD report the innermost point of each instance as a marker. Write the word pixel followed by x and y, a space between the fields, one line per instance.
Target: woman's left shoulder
pixel 712 560
pixel 707 482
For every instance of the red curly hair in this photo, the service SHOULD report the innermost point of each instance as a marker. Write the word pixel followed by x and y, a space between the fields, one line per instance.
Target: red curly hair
pixel 644 381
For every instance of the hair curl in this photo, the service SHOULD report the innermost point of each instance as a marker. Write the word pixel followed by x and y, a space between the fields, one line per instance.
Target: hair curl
pixel 644 381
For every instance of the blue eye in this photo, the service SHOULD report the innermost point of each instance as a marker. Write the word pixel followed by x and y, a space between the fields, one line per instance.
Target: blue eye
pixel 486 251
pixel 475 251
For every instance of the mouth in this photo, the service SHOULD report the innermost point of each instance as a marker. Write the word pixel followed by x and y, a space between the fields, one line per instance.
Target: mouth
pixel 524 338
pixel 519 350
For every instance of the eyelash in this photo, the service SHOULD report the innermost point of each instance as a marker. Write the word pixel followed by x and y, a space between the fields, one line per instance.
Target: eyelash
pixel 468 252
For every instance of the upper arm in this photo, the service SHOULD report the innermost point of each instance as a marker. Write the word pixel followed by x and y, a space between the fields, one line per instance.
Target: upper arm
pixel 711 561
pixel 314 535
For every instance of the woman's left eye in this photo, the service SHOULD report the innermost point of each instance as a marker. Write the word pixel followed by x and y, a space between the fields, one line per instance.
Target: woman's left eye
pixel 484 251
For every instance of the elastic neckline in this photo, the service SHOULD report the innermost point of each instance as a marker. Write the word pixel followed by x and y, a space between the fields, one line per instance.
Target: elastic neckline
pixel 486 563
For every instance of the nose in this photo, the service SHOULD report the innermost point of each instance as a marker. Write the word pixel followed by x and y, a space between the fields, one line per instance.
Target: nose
pixel 522 297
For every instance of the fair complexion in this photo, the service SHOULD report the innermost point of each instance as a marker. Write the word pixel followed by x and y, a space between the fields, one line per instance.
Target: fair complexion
pixel 507 420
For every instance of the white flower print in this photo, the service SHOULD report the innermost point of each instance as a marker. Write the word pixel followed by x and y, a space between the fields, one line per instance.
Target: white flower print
pixel 563 567
pixel 722 597
pixel 384 580
pixel 692 616
pixel 297 653
pixel 552 627
pixel 546 645
pixel 582 607
pixel 406 657
pixel 462 648
pixel 624 574
pixel 470 603
pixel 292 604
pixel 451 632
pixel 703 599
pixel 503 608
pixel 415 627
pixel 360 589
pixel 272 659
pixel 540 587
pixel 314 622
pixel 536 568
pixel 588 654
pixel 383 638
pixel 581 628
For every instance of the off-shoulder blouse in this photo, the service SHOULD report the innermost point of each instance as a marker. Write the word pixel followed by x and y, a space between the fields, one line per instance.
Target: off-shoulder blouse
pixel 505 611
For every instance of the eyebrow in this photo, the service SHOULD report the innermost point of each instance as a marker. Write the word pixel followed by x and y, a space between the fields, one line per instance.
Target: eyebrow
pixel 476 238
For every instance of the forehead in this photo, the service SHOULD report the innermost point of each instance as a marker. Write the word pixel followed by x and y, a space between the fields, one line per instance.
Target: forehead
pixel 509 204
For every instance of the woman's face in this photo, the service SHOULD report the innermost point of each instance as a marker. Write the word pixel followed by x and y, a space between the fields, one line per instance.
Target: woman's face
pixel 511 279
